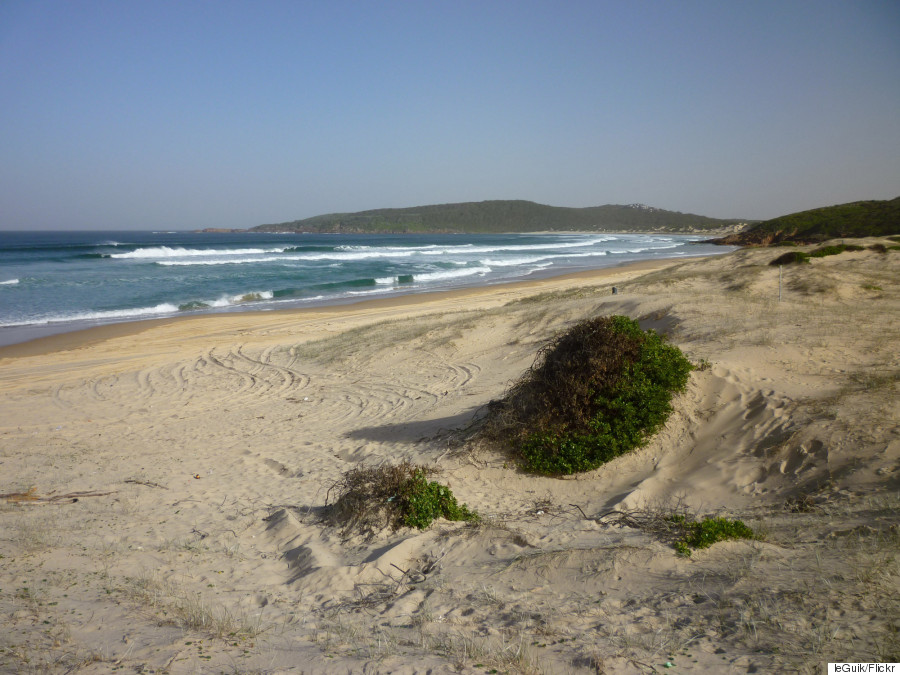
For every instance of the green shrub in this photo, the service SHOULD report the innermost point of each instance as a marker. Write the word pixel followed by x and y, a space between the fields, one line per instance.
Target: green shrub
pixel 791 257
pixel 421 501
pixel 595 392
pixel 371 498
pixel 705 533
pixel 826 250
pixel 834 250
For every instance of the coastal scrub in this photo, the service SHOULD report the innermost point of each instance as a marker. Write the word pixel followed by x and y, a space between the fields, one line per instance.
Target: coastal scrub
pixel 790 258
pixel 372 498
pixel 594 392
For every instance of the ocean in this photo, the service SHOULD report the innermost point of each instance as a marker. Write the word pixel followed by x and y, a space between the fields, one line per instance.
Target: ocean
pixel 53 282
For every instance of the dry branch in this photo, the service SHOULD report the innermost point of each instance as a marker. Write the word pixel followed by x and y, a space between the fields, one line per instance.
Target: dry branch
pixel 147 483
pixel 31 497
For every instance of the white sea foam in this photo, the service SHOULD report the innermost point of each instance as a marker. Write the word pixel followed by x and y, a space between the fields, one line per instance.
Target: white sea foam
pixel 239 261
pixel 363 247
pixel 253 296
pixel 574 241
pixel 300 257
pixel 471 249
pixel 513 262
pixel 156 252
pixel 375 291
pixel 167 256
pixel 443 275
pixel 649 248
pixel 358 255
pixel 106 315
pixel 9 282
pixel 480 250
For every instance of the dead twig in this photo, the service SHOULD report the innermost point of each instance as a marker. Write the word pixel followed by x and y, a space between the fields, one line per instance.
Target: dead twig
pixel 666 526
pixel 621 517
pixel 31 497
pixel 148 483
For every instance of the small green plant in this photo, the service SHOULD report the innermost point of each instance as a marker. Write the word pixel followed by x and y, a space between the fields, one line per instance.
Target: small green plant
pixel 872 287
pixel 704 533
pixel 703 364
pixel 371 498
pixel 421 501
pixel 682 548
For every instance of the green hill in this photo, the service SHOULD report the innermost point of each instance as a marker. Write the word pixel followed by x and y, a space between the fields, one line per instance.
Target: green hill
pixel 504 216
pixel 856 219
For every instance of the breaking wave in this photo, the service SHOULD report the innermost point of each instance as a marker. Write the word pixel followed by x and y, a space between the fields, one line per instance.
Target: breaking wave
pixel 163 252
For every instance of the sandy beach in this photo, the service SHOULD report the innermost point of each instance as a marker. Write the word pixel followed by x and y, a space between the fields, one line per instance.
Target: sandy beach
pixel 164 484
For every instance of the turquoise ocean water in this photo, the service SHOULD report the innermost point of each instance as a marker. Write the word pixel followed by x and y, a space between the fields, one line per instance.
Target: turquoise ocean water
pixel 53 282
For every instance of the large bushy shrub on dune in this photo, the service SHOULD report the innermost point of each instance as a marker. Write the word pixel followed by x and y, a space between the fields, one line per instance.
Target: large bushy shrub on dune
pixel 594 392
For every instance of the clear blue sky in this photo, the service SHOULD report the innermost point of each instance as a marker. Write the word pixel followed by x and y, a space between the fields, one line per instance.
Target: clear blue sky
pixel 186 114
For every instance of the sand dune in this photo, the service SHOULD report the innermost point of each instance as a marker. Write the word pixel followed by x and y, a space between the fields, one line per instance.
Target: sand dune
pixel 217 439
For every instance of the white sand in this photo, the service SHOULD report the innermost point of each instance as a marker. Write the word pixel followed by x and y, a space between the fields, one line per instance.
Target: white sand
pixel 217 439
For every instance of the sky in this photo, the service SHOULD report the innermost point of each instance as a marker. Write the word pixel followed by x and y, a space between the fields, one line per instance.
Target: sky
pixel 189 114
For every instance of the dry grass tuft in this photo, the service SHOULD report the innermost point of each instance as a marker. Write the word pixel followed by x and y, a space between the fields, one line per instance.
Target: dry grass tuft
pixel 190 611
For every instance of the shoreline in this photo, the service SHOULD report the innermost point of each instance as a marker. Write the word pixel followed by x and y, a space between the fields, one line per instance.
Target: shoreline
pixel 82 337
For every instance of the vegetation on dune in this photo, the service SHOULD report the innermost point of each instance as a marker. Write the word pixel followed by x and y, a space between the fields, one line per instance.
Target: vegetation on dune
pixel 595 392
pixel 834 250
pixel 372 498
pixel 498 216
pixel 822 252
pixel 856 219
pixel 790 258
pixel 704 533
pixel 680 529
